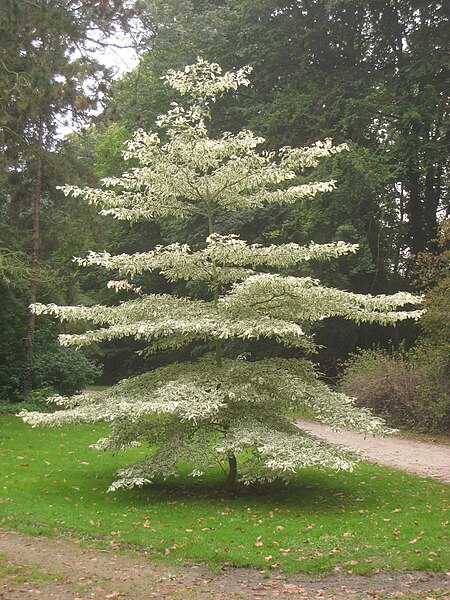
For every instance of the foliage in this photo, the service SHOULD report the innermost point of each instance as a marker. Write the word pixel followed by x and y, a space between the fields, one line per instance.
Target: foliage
pixel 49 76
pixel 413 389
pixel 367 74
pixel 57 280
pixel 432 270
pixel 55 369
pixel 47 65
pixel 218 407
pixel 409 390
pixel 64 370
pixel 361 522
pixel 14 283
pixel 387 383
pixel 370 73
pixel 34 401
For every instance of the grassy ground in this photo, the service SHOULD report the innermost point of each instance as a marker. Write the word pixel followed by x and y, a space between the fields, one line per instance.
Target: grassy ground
pixel 25 574
pixel 374 518
pixel 433 438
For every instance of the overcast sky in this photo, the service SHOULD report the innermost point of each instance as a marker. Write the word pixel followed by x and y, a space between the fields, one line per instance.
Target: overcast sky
pixel 120 57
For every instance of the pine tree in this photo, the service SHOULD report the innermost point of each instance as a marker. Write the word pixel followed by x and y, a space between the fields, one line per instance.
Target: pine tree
pixel 217 409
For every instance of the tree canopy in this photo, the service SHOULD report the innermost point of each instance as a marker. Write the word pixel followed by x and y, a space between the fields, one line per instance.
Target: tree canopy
pixel 220 407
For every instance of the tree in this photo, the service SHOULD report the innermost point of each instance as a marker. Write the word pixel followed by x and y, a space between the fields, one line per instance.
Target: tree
pixel 432 272
pixel 371 74
pixel 220 406
pixel 47 72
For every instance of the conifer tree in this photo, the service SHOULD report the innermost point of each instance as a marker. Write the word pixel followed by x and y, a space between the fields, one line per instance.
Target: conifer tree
pixel 217 409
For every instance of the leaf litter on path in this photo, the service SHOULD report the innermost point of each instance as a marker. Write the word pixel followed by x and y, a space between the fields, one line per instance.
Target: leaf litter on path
pixel 88 573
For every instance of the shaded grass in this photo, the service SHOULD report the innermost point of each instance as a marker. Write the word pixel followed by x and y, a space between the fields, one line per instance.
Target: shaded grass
pixel 374 518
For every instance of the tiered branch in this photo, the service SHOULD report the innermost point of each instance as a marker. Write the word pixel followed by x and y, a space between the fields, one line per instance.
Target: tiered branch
pixel 216 409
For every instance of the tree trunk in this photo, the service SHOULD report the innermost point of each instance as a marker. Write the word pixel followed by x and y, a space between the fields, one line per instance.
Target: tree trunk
pixel 431 202
pixel 415 211
pixel 400 227
pixel 232 473
pixel 28 379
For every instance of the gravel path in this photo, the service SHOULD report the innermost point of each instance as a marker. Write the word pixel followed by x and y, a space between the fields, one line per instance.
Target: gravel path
pixel 420 458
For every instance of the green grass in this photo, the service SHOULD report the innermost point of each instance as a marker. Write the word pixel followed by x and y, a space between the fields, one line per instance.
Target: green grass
pixel 25 574
pixel 374 518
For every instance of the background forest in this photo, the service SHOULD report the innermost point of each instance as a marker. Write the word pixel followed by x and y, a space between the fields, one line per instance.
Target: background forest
pixel 373 74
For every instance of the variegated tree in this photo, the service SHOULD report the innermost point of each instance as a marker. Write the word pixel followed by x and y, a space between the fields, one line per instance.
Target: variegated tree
pixel 217 409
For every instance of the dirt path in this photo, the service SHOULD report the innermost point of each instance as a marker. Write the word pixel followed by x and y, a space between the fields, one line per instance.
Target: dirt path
pixel 61 570
pixel 420 458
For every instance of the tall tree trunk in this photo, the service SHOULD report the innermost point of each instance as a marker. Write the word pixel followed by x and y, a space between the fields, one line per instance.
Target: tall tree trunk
pixel 400 227
pixel 431 202
pixel 415 211
pixel 232 461
pixel 31 324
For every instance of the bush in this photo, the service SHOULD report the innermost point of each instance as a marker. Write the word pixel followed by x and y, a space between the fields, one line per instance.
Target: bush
pixel 432 356
pixel 413 389
pixel 387 383
pixel 64 369
pixel 34 401
pixel 433 364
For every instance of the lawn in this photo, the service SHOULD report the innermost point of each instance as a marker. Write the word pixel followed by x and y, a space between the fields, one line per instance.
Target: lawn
pixel 374 518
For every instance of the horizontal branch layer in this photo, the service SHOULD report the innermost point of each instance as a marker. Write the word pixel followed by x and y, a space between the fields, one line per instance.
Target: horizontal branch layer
pixel 203 392
pixel 304 299
pixel 234 258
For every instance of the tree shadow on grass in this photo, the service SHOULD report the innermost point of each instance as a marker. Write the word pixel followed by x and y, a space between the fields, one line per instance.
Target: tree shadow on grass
pixel 319 489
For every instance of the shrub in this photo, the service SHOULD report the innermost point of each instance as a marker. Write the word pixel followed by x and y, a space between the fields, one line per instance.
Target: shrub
pixel 385 382
pixel 36 400
pixel 432 356
pixel 64 369
pixel 398 386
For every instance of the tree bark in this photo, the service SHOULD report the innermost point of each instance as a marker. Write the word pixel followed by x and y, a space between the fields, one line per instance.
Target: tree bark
pixel 400 227
pixel 431 202
pixel 31 322
pixel 232 473
pixel 415 211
